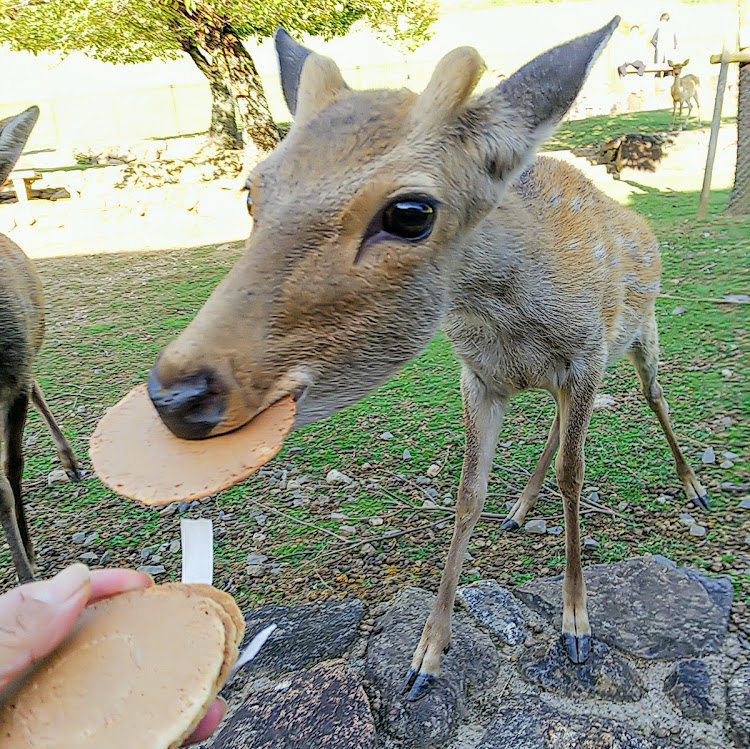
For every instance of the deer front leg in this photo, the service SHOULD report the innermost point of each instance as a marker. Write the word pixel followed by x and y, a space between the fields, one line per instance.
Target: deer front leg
pixel 483 415
pixel 576 405
pixel 64 450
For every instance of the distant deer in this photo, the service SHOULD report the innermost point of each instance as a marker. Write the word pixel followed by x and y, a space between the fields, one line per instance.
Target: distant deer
pixel 21 332
pixel 685 90
pixel 386 214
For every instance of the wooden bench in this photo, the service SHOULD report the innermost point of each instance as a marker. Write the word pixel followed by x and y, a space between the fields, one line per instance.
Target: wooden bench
pixel 22 179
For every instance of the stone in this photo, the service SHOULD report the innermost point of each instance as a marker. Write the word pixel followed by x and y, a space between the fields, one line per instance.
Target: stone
pixel 406 454
pixel 697 530
pixel 645 607
pixel 737 298
pixel 472 663
pixel 745 503
pixel 338 516
pixel 336 478
pixel 256 559
pixel 679 310
pixel 168 510
pixel 527 722
pixel 603 401
pixel 726 464
pixel 91 538
pixel 375 521
pixel 688 686
pixel 555 530
pixel 324 707
pixel 536 526
pixel 105 558
pixel 708 456
pixel 347 530
pixel 79 538
pixel 590 543
pixel 727 455
pixel 606 675
pixel 58 476
pixel 738 705
pixel 88 556
pixel 152 569
pixel 495 607
pixel 174 546
pixel 386 436
pixel 686 519
pixel 367 550
pixel 254 570
pixel 433 471
pixel 305 634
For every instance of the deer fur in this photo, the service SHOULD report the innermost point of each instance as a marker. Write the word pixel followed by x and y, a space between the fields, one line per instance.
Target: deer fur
pixel 538 279
pixel 21 333
pixel 685 89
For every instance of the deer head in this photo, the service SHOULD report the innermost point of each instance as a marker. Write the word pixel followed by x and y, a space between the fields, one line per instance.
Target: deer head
pixel 677 66
pixel 360 218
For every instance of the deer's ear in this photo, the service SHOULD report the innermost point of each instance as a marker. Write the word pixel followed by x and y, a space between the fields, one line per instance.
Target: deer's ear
pixel 14 132
pixel 512 119
pixel 309 81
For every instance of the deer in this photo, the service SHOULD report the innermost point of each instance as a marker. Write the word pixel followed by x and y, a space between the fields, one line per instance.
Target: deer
pixel 21 335
pixel 385 215
pixel 684 89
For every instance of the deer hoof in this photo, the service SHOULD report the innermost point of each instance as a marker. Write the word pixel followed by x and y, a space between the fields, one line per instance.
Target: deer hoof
pixel 74 474
pixel 577 647
pixel 703 503
pixel 509 525
pixel 421 686
pixel 408 680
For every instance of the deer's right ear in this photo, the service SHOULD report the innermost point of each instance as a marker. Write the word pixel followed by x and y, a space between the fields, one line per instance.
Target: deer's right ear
pixel 309 81
pixel 14 132
pixel 512 119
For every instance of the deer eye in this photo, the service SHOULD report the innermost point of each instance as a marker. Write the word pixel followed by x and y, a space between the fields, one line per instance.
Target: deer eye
pixel 409 218
pixel 249 203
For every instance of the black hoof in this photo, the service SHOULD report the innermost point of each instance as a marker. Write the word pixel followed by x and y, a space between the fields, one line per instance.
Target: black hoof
pixel 703 502
pixel 408 680
pixel 74 474
pixel 578 647
pixel 421 687
pixel 509 525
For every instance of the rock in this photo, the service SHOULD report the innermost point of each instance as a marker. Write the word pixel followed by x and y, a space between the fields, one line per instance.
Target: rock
pixel 636 604
pixel 347 530
pixel 292 485
pixel 697 530
pixel 555 530
pixel 433 471
pixel 590 543
pixel 679 310
pixel 146 552
pixel 174 546
pixel 338 516
pixel 738 705
pixel 726 464
pixel 737 297
pixel 726 373
pixel 386 436
pixel 526 722
pixel 747 541
pixel 496 608
pixel 662 499
pixel 254 570
pixel 367 550
pixel 168 510
pixel 58 476
pixel 322 708
pixel 375 521
pixel 406 455
pixel 88 556
pixel 105 558
pixel 423 480
pixel 256 559
pixel 152 569
pixel 603 401
pixel 606 675
pixel 336 478
pixel 727 455
pixel 91 538
pixel 428 504
pixel 708 456
pixel 79 538
pixel 745 504
pixel 687 519
pixel 472 663
pixel 536 526
pixel 305 634
pixel 688 685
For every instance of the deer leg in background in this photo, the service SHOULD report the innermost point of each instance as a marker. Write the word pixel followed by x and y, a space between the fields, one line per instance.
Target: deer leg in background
pixel 530 494
pixel 13 465
pixel 64 450
pixel 575 404
pixel 645 356
pixel 483 415
pixel 8 515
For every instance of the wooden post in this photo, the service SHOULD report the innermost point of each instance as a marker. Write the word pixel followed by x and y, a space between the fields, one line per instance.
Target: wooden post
pixel 713 140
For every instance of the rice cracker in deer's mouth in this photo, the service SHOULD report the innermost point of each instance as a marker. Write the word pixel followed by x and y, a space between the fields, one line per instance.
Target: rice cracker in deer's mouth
pixel 135 455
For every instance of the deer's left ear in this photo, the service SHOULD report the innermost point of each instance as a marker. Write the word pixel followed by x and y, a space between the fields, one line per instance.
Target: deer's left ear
pixel 14 132
pixel 512 119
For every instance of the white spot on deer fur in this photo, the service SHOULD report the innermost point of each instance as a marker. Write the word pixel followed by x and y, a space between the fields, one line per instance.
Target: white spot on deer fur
pixel 555 200
pixel 573 244
pixel 648 258
pixel 600 251
pixel 576 203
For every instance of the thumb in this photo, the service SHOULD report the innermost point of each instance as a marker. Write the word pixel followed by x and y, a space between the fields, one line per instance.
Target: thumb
pixel 35 618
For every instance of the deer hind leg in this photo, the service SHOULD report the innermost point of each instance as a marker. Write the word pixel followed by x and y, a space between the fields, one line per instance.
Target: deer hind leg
pixel 64 450
pixel 530 494
pixel 11 502
pixel 645 356
pixel 698 107
pixel 483 416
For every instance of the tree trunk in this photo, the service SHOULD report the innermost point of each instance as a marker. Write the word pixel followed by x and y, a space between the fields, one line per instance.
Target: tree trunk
pixel 222 47
pixel 739 200
pixel 223 130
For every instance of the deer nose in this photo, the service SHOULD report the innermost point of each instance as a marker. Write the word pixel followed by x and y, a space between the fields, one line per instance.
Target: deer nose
pixel 190 407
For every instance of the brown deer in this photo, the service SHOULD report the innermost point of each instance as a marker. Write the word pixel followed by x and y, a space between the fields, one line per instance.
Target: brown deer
pixel 386 214
pixel 685 90
pixel 21 332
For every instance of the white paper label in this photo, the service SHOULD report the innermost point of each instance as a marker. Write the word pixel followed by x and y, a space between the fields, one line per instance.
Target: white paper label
pixel 197 551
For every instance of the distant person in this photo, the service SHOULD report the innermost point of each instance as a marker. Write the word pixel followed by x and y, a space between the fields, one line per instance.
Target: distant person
pixel 664 42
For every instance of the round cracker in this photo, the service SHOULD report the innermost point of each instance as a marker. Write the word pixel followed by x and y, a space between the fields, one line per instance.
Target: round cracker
pixel 135 455
pixel 222 598
pixel 123 678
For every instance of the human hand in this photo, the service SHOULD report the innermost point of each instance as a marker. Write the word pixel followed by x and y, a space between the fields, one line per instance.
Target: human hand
pixel 36 618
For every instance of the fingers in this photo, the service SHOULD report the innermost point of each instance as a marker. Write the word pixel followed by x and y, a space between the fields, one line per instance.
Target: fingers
pixel 35 618
pixel 209 723
pixel 108 582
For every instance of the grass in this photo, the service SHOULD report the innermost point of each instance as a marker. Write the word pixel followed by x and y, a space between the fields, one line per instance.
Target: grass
pixel 110 314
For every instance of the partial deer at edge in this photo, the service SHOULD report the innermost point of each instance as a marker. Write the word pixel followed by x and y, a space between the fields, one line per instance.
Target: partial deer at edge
pixel 384 215
pixel 21 332
pixel 685 90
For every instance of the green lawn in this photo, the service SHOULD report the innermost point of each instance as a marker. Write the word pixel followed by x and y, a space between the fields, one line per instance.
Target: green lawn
pixel 110 314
